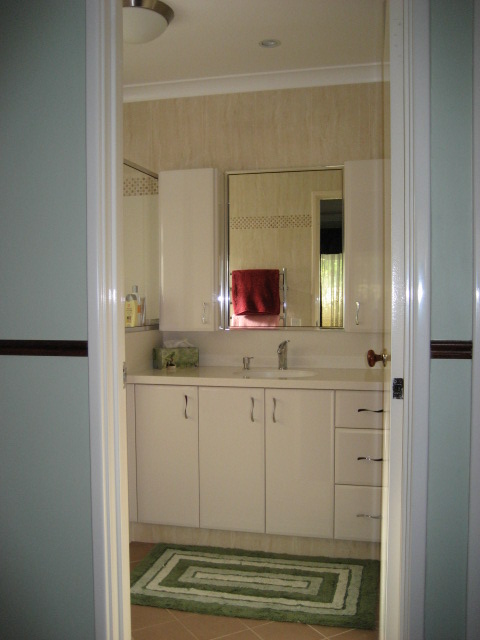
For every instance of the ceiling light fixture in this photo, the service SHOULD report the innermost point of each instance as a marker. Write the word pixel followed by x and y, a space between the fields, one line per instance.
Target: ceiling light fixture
pixel 270 43
pixel 145 20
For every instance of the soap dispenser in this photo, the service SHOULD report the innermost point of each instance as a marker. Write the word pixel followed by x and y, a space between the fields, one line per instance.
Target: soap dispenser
pixel 131 307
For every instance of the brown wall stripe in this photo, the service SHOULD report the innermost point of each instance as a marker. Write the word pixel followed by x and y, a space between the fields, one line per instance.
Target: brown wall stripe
pixel 69 348
pixel 445 349
pixel 451 349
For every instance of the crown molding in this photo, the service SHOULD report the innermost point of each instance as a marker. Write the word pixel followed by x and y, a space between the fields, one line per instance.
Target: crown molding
pixel 354 74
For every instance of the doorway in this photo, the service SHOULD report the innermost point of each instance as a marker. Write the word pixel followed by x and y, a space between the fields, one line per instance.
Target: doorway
pixel 116 614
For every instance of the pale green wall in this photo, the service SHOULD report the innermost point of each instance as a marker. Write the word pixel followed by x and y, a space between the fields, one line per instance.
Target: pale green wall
pixel 42 170
pixel 46 579
pixel 452 299
pixel 447 511
pixel 46 566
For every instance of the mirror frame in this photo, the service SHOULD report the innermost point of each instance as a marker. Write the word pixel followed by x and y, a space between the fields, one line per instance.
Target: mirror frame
pixel 225 281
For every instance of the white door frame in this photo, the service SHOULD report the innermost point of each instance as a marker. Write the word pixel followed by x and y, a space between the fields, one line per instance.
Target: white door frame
pixel 473 569
pixel 410 209
pixel 403 598
pixel 105 320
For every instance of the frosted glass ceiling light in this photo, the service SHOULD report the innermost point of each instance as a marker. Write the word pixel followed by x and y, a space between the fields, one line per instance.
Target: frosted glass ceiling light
pixel 145 20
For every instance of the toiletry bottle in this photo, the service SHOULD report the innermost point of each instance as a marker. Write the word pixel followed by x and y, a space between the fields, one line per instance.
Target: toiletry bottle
pixel 141 311
pixel 140 308
pixel 131 308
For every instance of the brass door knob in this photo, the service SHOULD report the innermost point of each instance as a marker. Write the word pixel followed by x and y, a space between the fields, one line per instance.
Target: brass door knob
pixel 373 358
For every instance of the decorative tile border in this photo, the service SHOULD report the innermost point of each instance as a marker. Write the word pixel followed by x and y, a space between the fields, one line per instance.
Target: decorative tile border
pixel 140 186
pixel 271 222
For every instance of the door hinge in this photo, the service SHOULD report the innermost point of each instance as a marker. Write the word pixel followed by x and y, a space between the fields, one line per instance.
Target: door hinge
pixel 124 374
pixel 397 388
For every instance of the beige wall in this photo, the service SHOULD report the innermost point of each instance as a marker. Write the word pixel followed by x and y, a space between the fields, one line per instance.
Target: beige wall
pixel 258 130
pixel 261 130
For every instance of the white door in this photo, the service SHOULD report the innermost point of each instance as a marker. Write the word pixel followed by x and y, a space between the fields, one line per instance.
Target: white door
pixel 407 328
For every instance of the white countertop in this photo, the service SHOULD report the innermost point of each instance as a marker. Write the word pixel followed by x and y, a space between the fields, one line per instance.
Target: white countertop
pixel 360 379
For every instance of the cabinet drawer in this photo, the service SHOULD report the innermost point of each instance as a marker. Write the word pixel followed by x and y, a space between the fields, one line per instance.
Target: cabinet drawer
pixel 352 444
pixel 359 409
pixel 357 511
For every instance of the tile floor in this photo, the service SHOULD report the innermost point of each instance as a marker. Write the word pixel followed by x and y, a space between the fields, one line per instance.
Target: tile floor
pixel 149 623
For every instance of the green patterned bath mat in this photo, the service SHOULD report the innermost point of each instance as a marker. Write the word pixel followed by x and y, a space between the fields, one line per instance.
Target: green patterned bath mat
pixel 249 584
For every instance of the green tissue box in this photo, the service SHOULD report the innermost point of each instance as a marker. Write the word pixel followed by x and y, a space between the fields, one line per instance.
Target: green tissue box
pixel 181 357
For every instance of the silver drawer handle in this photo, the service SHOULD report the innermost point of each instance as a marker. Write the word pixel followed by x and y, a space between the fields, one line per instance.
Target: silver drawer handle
pixel 370 459
pixel 370 410
pixel 186 405
pixel 366 515
pixel 274 409
pixel 251 412
pixel 357 312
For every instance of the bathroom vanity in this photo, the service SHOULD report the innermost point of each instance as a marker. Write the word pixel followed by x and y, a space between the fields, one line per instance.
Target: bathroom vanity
pixel 296 453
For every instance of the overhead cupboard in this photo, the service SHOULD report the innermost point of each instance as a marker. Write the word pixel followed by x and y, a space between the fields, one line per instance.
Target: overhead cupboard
pixel 201 240
pixel 263 459
pixel 190 223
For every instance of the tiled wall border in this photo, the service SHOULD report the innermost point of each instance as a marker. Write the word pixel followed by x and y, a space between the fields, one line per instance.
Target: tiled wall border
pixel 271 222
pixel 140 186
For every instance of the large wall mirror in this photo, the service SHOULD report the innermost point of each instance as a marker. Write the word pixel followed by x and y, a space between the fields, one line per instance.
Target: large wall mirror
pixel 285 249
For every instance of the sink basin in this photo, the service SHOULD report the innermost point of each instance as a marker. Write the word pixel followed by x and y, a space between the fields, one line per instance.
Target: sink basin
pixel 278 374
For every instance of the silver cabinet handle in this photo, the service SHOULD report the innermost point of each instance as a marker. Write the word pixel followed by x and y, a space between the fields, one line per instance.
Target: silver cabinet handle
pixel 369 459
pixel 251 411
pixel 186 405
pixel 246 362
pixel 370 410
pixel 274 418
pixel 204 313
pixel 366 515
pixel 357 312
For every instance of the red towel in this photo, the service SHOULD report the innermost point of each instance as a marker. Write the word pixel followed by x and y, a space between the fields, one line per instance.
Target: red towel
pixel 257 320
pixel 256 291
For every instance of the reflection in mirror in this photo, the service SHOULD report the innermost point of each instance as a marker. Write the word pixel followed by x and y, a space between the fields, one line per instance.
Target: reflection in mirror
pixel 329 278
pixel 285 229
pixel 140 231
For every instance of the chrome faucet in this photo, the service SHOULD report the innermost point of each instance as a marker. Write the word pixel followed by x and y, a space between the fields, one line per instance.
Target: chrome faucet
pixel 282 354
pixel 246 362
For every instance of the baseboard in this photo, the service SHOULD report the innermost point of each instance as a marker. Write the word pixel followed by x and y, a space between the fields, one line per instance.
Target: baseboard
pixel 141 532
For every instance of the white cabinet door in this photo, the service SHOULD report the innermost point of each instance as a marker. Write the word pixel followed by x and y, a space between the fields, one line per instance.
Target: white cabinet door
pixel 131 455
pixel 167 454
pixel 232 461
pixel 299 462
pixel 363 187
pixel 189 254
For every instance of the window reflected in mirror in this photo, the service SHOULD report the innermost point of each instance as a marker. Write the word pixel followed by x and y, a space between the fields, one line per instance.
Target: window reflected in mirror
pixel 330 295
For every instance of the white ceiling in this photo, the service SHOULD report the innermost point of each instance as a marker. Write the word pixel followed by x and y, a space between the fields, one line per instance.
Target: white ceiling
pixel 212 44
